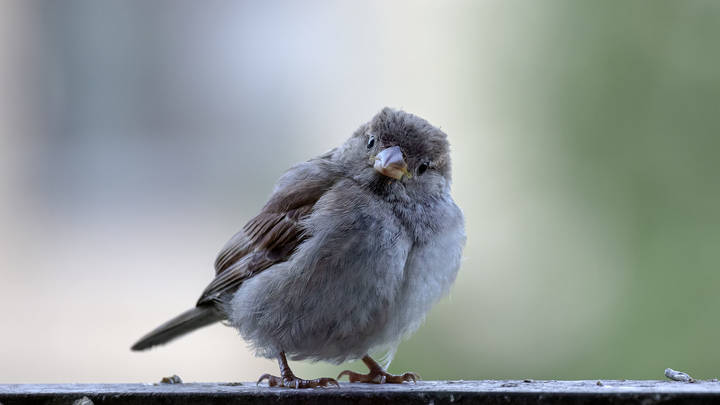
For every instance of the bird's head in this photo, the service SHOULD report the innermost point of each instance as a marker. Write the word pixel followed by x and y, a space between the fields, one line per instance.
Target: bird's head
pixel 400 153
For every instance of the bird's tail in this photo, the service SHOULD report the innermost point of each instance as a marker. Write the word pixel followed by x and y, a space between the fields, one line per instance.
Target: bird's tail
pixel 186 322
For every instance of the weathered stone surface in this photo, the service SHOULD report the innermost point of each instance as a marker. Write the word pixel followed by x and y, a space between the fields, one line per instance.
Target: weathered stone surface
pixel 437 392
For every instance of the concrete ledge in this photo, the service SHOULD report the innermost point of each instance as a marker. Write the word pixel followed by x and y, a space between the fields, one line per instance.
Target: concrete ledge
pixel 437 392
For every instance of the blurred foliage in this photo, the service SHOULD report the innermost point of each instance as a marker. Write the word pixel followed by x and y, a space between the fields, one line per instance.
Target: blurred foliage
pixel 635 109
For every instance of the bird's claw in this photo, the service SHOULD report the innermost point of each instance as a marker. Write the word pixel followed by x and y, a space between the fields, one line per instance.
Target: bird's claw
pixel 379 377
pixel 272 380
pixel 294 382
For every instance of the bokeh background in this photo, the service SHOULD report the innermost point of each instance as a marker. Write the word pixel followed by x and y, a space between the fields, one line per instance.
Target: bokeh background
pixel 137 136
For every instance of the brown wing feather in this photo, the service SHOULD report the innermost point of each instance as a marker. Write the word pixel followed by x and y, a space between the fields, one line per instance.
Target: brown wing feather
pixel 269 238
pixel 237 247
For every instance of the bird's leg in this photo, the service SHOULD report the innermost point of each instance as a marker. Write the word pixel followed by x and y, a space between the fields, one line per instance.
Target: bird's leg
pixel 289 380
pixel 377 375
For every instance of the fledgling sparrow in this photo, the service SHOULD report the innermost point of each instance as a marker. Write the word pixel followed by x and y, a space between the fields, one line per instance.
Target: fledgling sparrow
pixel 347 256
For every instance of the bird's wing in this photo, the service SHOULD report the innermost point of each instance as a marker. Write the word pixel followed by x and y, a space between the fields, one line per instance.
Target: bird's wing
pixel 272 236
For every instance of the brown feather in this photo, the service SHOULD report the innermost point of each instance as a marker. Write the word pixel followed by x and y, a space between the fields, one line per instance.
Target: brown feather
pixel 270 237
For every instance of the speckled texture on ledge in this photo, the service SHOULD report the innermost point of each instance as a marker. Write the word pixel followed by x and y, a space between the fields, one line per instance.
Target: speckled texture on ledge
pixel 437 392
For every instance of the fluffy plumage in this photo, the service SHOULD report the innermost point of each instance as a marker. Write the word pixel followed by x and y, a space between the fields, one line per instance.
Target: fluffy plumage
pixel 342 260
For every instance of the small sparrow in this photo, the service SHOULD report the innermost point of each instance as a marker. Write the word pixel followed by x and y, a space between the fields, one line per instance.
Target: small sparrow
pixel 346 257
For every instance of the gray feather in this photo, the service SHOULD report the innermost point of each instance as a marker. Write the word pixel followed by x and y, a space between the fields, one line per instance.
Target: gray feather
pixel 184 323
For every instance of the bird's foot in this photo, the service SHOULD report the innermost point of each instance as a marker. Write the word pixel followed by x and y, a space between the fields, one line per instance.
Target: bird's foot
pixel 379 377
pixel 290 381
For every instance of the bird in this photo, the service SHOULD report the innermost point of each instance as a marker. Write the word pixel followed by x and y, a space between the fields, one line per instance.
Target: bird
pixel 345 259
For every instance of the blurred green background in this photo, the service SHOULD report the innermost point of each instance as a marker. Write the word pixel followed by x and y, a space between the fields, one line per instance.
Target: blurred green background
pixel 136 137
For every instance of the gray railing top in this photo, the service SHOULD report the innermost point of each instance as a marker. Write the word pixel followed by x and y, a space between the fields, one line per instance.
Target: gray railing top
pixel 438 392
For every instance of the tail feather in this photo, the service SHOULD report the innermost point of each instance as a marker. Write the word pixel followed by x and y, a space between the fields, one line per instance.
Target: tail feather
pixel 186 322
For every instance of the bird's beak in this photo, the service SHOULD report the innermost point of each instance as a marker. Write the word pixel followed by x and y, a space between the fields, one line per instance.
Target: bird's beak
pixel 390 162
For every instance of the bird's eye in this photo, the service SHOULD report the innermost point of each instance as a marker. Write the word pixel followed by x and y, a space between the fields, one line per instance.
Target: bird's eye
pixel 422 168
pixel 371 142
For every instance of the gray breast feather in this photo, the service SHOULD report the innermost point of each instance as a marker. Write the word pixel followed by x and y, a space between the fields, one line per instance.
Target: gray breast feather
pixel 355 284
pixel 429 273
